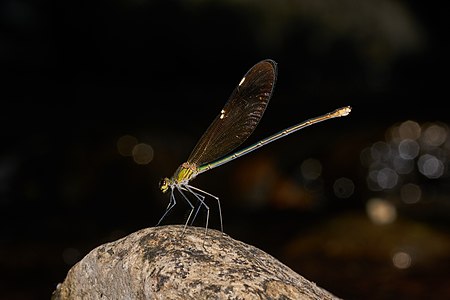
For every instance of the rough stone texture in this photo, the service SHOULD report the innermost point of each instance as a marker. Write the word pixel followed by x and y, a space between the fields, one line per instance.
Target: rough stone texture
pixel 161 263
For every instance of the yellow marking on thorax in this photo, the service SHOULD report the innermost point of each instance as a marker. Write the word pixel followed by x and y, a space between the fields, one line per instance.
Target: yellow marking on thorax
pixel 185 172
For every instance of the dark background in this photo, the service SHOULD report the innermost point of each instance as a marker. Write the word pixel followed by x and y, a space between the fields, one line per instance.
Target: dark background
pixel 78 76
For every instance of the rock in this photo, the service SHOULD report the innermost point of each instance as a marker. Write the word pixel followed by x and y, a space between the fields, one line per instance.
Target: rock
pixel 164 263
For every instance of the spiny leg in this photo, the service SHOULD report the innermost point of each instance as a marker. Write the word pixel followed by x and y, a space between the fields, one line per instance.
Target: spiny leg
pixel 218 203
pixel 200 198
pixel 171 204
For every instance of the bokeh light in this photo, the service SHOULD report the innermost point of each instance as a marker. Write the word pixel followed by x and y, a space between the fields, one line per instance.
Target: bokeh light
pixel 434 135
pixel 125 144
pixel 343 187
pixel 409 130
pixel 410 193
pixel 311 169
pixel 408 149
pixel 401 260
pixel 410 153
pixel 142 153
pixel 387 178
pixel 402 166
pixel 430 166
pixel 381 211
pixel 380 151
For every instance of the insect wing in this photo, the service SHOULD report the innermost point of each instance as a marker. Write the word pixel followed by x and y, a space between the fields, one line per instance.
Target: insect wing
pixel 240 115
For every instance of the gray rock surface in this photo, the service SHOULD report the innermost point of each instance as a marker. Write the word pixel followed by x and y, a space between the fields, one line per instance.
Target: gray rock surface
pixel 163 263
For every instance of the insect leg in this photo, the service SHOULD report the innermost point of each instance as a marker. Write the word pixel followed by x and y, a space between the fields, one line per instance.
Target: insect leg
pixel 180 189
pixel 218 203
pixel 200 198
pixel 201 202
pixel 171 204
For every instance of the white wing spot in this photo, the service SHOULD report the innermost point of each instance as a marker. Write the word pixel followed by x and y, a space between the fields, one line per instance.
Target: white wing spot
pixel 242 81
pixel 222 114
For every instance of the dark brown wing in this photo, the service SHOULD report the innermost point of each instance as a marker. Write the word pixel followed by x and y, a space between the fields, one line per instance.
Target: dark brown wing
pixel 240 115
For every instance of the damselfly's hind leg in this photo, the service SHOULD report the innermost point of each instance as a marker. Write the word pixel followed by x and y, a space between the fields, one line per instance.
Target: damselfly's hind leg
pixel 202 202
pixel 171 204
pixel 180 189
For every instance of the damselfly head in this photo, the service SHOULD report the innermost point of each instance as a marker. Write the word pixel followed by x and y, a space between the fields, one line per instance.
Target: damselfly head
pixel 164 184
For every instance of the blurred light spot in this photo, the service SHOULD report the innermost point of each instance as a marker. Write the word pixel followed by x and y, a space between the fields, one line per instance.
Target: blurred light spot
pixel 365 157
pixel 409 130
pixel 446 145
pixel 125 145
pixel 381 211
pixel 288 194
pixel 71 256
pixel 387 178
pixel 403 166
pixel 430 166
pixel 142 154
pixel 401 260
pixel 343 187
pixel 372 182
pixel 410 193
pixel 408 149
pixel 380 151
pixel 434 135
pixel 311 169
pixel 393 135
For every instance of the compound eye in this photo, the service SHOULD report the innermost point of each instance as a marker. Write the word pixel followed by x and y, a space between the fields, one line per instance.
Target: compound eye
pixel 162 183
